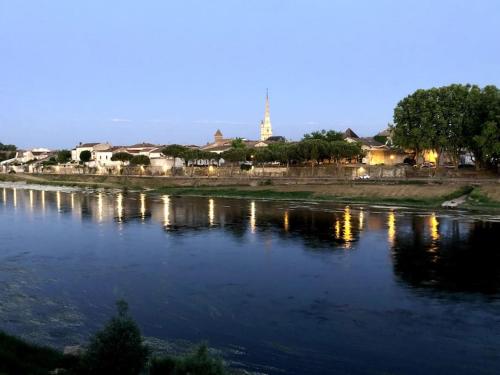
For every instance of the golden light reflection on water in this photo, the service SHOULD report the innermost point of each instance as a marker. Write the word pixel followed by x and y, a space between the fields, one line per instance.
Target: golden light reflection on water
pixel 143 205
pixel 72 201
pixel 43 199
pixel 252 217
pixel 286 222
pixel 31 199
pixel 119 206
pixel 361 219
pixel 347 237
pixel 211 211
pixel 14 197
pixel 4 196
pixel 166 210
pixel 337 229
pixel 434 227
pixel 391 227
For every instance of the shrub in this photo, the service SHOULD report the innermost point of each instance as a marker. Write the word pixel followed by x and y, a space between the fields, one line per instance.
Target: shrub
pixel 198 363
pixel 19 357
pixel 118 348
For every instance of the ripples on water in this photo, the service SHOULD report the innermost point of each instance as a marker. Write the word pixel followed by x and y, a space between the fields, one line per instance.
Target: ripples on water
pixel 276 286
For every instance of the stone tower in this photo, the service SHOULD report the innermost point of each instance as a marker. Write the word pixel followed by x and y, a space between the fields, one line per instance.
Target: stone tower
pixel 218 137
pixel 266 130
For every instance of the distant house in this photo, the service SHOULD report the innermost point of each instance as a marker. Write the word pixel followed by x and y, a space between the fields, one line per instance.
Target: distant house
pixel 219 145
pixel 376 153
pixel 92 147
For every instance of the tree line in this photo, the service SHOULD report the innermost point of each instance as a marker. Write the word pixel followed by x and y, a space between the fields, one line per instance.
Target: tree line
pixel 451 119
pixel 315 147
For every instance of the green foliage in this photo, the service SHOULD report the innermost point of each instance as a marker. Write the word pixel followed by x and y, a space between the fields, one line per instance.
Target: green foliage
pixel 175 151
pixel 235 154
pixel 140 160
pixel 238 143
pixel 50 161
pixel 19 357
pixel 118 348
pixel 122 156
pixel 452 119
pixel 381 138
pixel 63 156
pixel 85 156
pixel 198 363
pixel 7 147
pixel 193 155
pixel 325 135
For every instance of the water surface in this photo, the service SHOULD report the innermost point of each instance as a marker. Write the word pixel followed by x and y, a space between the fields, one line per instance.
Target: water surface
pixel 277 287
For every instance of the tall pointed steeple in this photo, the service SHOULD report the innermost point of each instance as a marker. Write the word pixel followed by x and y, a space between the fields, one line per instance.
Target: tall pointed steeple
pixel 266 130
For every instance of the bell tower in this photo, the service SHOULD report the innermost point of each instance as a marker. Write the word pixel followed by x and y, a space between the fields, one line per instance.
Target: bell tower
pixel 266 130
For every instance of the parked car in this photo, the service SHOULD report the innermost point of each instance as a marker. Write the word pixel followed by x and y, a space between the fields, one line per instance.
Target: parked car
pixel 428 164
pixel 363 177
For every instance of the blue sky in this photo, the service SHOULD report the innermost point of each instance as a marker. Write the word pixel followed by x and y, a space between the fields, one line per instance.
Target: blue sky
pixel 175 71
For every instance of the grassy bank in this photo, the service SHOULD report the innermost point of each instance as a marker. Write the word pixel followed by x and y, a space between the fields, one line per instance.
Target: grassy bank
pixel 312 195
pixel 416 193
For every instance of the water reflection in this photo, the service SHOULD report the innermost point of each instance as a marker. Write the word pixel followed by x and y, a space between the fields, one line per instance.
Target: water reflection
pixel 253 219
pixel 211 211
pixel 361 219
pixel 143 205
pixel 428 251
pixel 464 256
pixel 119 207
pixel 347 226
pixel 166 210
pixel 391 227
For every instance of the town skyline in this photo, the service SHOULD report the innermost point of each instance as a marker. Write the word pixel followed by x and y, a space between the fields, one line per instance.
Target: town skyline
pixel 175 72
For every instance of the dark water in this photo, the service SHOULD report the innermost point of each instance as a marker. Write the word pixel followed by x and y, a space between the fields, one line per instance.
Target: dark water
pixel 277 287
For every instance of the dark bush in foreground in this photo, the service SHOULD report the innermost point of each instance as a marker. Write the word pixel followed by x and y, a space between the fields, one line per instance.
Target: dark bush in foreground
pixel 118 348
pixel 198 363
pixel 19 357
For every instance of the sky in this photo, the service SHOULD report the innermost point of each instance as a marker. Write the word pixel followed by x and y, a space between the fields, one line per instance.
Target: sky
pixel 165 71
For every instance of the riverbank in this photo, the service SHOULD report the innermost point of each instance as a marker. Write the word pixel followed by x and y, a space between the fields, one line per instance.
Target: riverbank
pixel 425 193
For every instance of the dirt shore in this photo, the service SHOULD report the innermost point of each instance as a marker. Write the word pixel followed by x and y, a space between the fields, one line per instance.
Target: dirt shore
pixel 483 194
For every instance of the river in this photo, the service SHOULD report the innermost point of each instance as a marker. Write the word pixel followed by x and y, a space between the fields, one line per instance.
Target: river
pixel 275 287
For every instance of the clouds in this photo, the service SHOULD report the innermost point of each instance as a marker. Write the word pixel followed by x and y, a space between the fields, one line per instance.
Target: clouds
pixel 120 120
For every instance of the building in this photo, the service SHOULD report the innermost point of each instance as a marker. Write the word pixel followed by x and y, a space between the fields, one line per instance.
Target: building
pixel 376 153
pixel 266 129
pixel 219 145
pixel 92 147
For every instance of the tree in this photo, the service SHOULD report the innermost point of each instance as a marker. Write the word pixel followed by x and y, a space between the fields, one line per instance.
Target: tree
pixel 118 348
pixel 7 147
pixel 123 157
pixel 238 143
pixel 413 122
pixel 325 135
pixel 141 160
pixel 85 156
pixel 449 119
pixel 175 151
pixel 63 156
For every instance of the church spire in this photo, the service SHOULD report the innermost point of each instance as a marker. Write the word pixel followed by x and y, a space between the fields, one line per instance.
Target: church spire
pixel 265 126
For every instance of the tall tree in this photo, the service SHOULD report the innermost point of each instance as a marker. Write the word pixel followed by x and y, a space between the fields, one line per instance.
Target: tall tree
pixel 63 156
